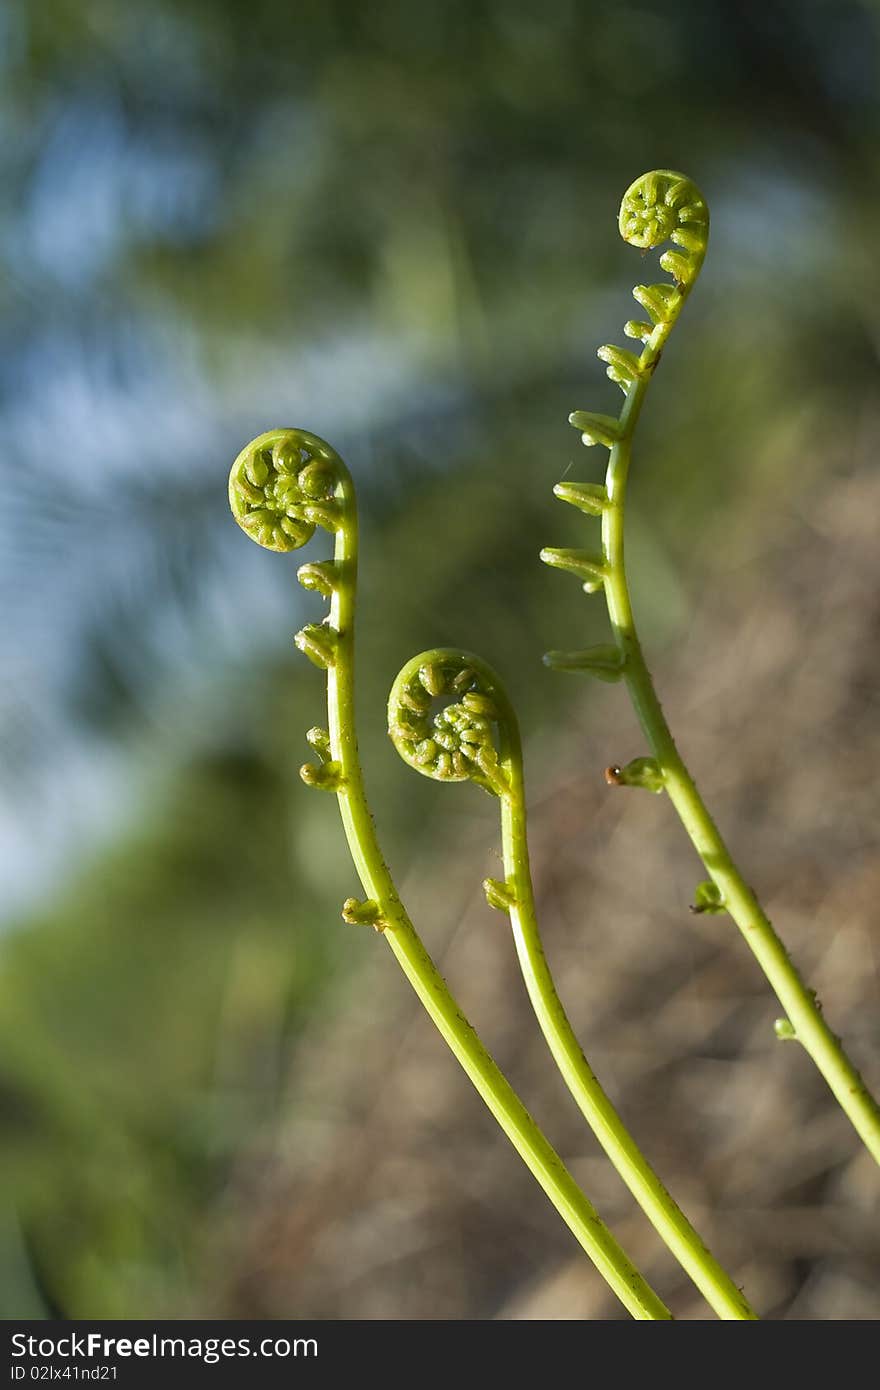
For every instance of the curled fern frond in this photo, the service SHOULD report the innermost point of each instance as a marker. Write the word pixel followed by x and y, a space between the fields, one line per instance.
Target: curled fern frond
pixel 461 741
pixel 283 485
pixel 660 206
pixel 667 206
pixel 475 735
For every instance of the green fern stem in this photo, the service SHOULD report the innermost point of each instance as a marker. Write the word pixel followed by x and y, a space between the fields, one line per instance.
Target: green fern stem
pixel 798 1001
pixel 670 1222
pixel 283 519
pixel 461 735
pixel 659 206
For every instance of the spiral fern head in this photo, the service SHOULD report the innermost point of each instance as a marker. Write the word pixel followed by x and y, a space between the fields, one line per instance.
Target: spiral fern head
pixel 667 206
pixel 461 740
pixel 283 485
pixel 658 207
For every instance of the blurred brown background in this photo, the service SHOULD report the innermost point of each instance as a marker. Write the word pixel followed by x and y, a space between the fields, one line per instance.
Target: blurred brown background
pixel 395 225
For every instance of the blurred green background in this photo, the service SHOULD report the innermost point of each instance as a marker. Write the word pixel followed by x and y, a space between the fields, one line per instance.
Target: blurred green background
pixel 395 225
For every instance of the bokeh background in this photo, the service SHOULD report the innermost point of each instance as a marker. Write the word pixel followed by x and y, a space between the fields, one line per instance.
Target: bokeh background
pixel 395 225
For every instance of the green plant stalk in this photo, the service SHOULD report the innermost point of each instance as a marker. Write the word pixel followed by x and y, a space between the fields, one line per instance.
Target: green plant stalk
pixel 665 1215
pixel 799 1002
pixel 539 1156
pixel 659 206
pixel 475 737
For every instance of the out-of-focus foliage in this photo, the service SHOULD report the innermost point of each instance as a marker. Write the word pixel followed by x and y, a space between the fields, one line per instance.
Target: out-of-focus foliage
pixel 395 225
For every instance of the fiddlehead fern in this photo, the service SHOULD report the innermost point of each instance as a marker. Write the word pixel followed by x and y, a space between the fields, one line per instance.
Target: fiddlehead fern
pixel 658 207
pixel 458 742
pixel 474 735
pixel 284 485
pixel 666 206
